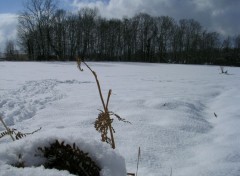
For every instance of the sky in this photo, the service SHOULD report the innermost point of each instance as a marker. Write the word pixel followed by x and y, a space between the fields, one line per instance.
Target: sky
pixel 214 15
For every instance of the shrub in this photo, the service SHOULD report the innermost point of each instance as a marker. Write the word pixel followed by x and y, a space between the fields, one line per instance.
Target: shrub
pixel 63 156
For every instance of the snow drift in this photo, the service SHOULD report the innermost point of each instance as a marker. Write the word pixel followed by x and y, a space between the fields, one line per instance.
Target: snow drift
pixel 171 108
pixel 110 162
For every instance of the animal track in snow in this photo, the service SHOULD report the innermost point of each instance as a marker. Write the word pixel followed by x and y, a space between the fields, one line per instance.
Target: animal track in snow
pixel 24 102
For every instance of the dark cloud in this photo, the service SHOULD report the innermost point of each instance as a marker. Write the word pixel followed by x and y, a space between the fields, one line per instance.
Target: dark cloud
pixel 214 15
pixel 225 17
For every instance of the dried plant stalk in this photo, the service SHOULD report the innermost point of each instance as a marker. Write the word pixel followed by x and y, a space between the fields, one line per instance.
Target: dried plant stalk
pixel 139 155
pixel 110 124
pixel 79 61
pixel 7 129
pixel 103 121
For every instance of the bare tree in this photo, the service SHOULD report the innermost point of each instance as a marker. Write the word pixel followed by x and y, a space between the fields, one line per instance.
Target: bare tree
pixel 237 42
pixel 146 33
pixel 165 35
pixel 46 32
pixel 227 43
pixel 57 34
pixel 34 26
pixel 87 22
pixel 10 52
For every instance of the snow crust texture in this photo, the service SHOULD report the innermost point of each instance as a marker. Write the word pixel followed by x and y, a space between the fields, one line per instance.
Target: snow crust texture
pixel 185 118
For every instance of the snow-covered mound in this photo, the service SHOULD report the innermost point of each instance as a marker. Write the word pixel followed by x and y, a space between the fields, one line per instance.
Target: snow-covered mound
pixel 110 161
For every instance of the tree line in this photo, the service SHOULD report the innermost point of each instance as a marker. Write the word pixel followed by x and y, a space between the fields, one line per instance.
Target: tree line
pixel 46 32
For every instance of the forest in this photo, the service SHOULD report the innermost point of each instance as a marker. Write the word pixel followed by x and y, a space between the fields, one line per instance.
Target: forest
pixel 46 33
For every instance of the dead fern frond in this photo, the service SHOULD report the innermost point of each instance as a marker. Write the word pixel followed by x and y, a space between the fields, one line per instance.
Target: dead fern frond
pixel 16 134
pixel 119 118
pixel 11 132
pixel 103 122
pixel 7 129
pixel 7 132
pixel 20 135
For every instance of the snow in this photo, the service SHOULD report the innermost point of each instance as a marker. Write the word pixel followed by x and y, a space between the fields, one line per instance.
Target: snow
pixel 110 162
pixel 171 108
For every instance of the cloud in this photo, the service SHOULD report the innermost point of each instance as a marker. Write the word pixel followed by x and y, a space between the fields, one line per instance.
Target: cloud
pixel 214 15
pixel 226 15
pixel 8 28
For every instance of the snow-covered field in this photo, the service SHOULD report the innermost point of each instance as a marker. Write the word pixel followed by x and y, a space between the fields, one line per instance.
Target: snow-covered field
pixel 171 108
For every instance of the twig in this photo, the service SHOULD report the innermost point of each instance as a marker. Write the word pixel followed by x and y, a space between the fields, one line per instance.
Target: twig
pixel 98 84
pixel 9 132
pixel 109 94
pixel 33 131
pixel 110 126
pixel 139 155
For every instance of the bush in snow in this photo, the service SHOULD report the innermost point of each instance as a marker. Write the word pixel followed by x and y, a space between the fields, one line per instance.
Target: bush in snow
pixel 41 149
